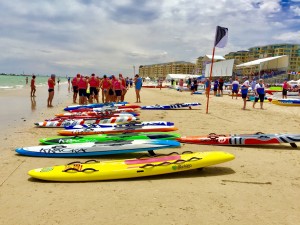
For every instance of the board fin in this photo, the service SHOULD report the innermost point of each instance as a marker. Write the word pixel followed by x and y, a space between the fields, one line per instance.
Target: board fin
pixel 294 145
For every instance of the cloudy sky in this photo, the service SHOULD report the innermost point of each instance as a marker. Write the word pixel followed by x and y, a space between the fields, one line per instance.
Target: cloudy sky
pixel 112 36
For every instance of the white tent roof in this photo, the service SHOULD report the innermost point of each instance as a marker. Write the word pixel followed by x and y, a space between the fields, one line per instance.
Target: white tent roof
pixel 181 76
pixel 222 68
pixel 268 63
pixel 209 57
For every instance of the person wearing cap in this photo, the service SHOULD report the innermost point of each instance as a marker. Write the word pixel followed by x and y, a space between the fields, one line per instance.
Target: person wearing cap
pixel 244 90
pixel 94 83
pixel 51 84
pixel 259 93
pixel 138 86
pixel 75 87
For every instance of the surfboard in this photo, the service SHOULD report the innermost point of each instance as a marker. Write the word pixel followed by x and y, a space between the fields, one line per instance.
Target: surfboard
pixel 93 170
pixel 108 137
pixel 96 148
pixel 96 105
pixel 286 102
pixel 171 106
pixel 113 130
pixel 83 122
pixel 242 139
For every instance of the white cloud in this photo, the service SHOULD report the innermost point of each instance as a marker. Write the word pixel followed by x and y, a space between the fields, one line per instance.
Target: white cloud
pixel 110 36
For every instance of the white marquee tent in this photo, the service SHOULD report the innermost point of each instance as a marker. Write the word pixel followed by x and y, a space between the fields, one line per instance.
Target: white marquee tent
pixel 222 68
pixel 181 76
pixel 267 63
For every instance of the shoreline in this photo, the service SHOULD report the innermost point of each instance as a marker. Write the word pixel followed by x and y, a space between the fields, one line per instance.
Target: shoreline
pixel 246 190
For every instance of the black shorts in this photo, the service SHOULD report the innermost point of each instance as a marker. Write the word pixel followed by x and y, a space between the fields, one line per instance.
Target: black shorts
pixel 50 90
pixel 215 89
pixel 221 87
pixel 75 89
pixel 235 91
pixel 82 92
pixel 284 91
pixel 110 92
pixel 118 92
pixel 93 90
pixel 261 97
pixel 244 95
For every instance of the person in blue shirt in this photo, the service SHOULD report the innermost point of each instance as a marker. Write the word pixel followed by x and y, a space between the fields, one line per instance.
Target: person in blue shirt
pixel 259 93
pixel 244 90
pixel 235 87
pixel 216 85
pixel 138 86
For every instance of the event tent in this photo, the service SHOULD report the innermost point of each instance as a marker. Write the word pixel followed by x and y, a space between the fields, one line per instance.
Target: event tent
pixel 275 62
pixel 222 68
pixel 181 76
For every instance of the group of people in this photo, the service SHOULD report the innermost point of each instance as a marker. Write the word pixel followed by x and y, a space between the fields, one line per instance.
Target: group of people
pixel 113 89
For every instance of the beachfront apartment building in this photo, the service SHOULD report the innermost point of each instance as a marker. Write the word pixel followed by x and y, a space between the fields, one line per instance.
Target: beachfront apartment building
pixel 258 52
pixel 161 70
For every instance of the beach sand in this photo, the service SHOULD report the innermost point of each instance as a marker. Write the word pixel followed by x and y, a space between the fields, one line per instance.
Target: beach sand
pixel 261 186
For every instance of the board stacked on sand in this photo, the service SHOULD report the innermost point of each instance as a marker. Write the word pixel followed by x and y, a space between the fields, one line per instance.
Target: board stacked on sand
pixel 149 126
pixel 170 106
pixel 108 137
pixel 76 122
pixel 95 105
pixel 242 139
pixel 96 148
pixel 130 168
pixel 286 102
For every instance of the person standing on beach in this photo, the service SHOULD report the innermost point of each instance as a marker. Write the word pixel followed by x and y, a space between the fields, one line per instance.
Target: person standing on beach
pixel 75 87
pixel 207 87
pixel 105 86
pixel 94 84
pixel 138 86
pixel 51 84
pixel 123 82
pixel 26 80
pixel 216 85
pixel 221 83
pixel 32 86
pixel 181 85
pixel 259 93
pixel 235 87
pixel 244 90
pixel 285 87
pixel 82 86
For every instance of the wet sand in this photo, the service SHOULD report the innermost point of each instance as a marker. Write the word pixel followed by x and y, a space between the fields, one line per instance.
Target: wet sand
pixel 261 186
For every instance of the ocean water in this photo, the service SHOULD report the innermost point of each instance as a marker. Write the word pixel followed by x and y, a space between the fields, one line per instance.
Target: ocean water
pixel 12 82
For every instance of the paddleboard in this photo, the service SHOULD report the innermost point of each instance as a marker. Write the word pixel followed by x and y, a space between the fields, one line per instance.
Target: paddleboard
pixel 96 148
pixel 112 130
pixel 171 106
pixel 286 102
pixel 108 137
pixel 84 122
pixel 93 170
pixel 242 139
pixel 96 105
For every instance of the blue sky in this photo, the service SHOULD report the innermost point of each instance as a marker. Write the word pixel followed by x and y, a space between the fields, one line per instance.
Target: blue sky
pixel 110 36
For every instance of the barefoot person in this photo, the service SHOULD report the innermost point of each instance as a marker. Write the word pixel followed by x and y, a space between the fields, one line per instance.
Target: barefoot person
pixel 138 86
pixel 75 87
pixel 259 93
pixel 235 87
pixel 51 84
pixel 244 90
pixel 32 86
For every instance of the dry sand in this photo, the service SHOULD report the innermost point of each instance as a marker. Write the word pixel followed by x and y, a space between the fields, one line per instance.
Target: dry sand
pixel 261 186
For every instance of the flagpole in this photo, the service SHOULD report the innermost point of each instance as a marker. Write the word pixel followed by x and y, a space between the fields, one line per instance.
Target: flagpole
pixel 210 79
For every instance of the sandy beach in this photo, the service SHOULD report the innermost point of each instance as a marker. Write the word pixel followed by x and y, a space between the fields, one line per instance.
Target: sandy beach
pixel 261 186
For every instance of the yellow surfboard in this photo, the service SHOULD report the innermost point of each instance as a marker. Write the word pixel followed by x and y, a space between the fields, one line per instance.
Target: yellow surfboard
pixel 120 169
